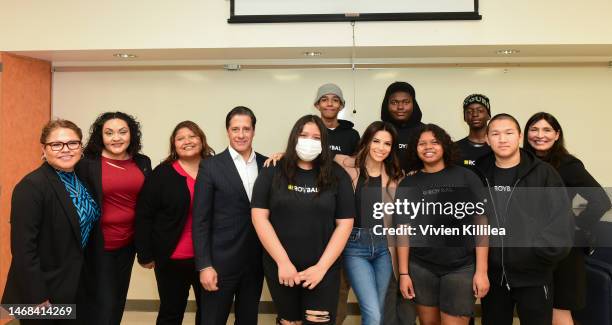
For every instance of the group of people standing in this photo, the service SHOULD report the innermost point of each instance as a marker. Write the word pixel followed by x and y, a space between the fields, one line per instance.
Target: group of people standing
pixel 221 223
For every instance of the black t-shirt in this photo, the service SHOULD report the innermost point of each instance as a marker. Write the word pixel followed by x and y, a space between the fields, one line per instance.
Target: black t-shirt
pixel 366 195
pixel 451 186
pixel 505 176
pixel 470 151
pixel 503 181
pixel 343 140
pixel 404 136
pixel 303 219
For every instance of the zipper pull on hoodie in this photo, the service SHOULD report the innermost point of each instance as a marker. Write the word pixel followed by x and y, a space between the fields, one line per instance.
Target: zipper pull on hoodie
pixel 505 278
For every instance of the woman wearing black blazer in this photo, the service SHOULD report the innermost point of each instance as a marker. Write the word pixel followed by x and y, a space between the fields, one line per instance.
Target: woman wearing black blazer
pixel 164 219
pixel 52 214
pixel 115 170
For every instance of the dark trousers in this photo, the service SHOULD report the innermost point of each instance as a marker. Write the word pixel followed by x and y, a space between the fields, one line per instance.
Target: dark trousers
pixel 397 310
pixel 174 278
pixel 243 289
pixel 534 305
pixel 112 282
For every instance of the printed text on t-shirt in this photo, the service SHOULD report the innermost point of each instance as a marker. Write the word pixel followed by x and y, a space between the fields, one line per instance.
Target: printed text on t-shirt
pixel 302 189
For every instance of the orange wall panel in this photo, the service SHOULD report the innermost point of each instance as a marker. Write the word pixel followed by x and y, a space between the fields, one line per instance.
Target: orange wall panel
pixel 25 106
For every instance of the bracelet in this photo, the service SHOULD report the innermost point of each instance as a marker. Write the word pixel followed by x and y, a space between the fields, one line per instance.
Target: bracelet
pixel 404 274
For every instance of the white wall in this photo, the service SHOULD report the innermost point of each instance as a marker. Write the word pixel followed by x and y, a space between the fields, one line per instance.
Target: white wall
pixel 157 24
pixel 579 97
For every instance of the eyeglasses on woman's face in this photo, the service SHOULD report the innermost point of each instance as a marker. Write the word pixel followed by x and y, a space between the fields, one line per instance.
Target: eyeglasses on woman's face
pixel 59 146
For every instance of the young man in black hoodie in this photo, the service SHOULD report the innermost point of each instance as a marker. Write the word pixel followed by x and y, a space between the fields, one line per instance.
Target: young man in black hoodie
pixel 400 108
pixel 476 113
pixel 343 139
pixel 528 199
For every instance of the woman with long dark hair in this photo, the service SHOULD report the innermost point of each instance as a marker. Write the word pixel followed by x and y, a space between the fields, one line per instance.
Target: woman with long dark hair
pixel 545 139
pixel 164 218
pixel 115 169
pixel 444 277
pixel 303 210
pixel 368 260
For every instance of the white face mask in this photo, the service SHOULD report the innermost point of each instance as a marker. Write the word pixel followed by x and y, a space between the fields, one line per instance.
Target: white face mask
pixel 308 149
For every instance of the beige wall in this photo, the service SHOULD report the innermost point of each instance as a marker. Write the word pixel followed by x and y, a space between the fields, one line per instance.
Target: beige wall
pixel 579 97
pixel 117 24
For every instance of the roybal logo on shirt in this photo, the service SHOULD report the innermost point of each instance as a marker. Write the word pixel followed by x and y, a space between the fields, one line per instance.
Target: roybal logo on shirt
pixel 403 145
pixel 500 188
pixel 302 189
pixel 335 148
pixel 469 162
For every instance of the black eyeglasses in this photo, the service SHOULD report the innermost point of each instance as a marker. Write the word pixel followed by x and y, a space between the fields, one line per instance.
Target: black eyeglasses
pixel 59 146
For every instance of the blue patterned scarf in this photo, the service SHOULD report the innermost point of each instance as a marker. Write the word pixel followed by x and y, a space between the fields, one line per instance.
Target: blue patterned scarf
pixel 85 205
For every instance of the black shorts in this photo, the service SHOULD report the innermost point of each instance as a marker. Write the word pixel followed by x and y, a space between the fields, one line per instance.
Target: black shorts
pixel 450 291
pixel 292 303
pixel 570 281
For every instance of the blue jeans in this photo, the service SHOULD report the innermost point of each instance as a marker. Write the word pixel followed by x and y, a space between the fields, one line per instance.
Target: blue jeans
pixel 367 263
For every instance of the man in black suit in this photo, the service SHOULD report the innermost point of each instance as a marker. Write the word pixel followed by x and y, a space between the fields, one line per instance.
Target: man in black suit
pixel 227 250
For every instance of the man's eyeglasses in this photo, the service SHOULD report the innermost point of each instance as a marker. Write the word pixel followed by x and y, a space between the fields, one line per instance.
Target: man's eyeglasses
pixel 59 146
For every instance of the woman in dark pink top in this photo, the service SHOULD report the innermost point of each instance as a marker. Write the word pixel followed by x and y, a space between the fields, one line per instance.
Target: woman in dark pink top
pixel 163 222
pixel 116 171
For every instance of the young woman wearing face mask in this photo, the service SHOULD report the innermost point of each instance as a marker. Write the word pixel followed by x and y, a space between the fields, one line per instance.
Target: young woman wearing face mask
pixel 115 170
pixel 545 140
pixel 302 211
pixel 443 277
pixel 375 173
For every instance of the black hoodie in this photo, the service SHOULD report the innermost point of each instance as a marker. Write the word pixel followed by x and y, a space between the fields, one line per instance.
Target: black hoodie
pixel 343 139
pixel 539 223
pixel 406 129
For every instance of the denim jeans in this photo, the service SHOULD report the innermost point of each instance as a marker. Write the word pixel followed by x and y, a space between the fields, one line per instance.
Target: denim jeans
pixel 368 265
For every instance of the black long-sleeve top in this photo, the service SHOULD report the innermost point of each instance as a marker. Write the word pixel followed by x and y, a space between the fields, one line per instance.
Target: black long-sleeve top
pixel 578 181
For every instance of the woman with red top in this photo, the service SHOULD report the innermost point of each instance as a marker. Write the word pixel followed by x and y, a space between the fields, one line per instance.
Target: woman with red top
pixel 115 170
pixel 163 222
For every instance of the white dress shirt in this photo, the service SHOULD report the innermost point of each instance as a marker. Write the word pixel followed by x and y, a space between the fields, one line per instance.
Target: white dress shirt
pixel 246 169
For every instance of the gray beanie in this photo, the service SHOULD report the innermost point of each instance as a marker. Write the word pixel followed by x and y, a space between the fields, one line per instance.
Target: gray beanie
pixel 329 89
